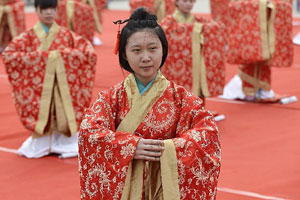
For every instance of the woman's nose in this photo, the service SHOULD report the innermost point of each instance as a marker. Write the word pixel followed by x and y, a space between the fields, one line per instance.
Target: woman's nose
pixel 48 11
pixel 145 57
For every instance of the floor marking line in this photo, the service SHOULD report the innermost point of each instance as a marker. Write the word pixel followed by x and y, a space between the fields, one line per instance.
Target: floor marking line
pixel 3 75
pixel 9 150
pixel 250 194
pixel 222 189
pixel 227 100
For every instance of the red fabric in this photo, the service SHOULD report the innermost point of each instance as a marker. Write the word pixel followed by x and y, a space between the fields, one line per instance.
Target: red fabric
pixel 19 16
pixel 219 13
pixel 245 45
pixel 8 1
pixel 62 17
pixel 100 5
pixel 104 154
pixel 284 47
pixel 17 8
pixel 219 10
pixel 178 66
pixel 169 5
pixel 23 59
pixel 82 22
pixel 134 4
pixel 260 74
pixel 247 158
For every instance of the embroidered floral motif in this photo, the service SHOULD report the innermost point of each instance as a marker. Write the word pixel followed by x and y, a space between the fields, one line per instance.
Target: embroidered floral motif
pixel 105 154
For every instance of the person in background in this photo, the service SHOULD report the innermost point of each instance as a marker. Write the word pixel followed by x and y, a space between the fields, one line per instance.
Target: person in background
pixel 77 16
pixel 197 51
pixel 12 21
pixel 259 38
pixel 161 8
pixel 146 137
pixel 52 72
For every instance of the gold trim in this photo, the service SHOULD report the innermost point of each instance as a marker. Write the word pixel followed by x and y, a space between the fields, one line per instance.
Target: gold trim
pixel 139 107
pixel 134 178
pixel 200 86
pixel 45 39
pixel 1 15
pixel 253 81
pixel 10 20
pixel 271 28
pixel 160 9
pixel 196 57
pixel 97 22
pixel 47 92
pixel 169 172
pixel 70 14
pixel 182 19
pixel 1 12
pixel 64 90
pixel 263 17
pixel 203 78
pixel 61 119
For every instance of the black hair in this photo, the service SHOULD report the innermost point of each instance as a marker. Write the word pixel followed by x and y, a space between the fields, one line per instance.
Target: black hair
pixel 140 19
pixel 44 4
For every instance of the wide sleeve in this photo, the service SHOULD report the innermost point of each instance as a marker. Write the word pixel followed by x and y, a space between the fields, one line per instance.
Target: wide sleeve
pixel 198 152
pixel 104 153
pixel 25 67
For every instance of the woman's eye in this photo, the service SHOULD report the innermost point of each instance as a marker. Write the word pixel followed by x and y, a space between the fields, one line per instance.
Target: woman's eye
pixel 152 48
pixel 135 50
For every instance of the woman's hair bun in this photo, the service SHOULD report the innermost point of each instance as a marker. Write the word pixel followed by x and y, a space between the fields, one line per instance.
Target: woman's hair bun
pixel 143 13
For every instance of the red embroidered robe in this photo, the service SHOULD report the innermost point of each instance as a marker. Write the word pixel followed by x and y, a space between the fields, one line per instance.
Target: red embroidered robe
pixel 196 58
pixel 78 17
pixel 109 133
pixel 52 77
pixel 161 8
pixel 12 20
pixel 98 8
pixel 219 10
pixel 260 38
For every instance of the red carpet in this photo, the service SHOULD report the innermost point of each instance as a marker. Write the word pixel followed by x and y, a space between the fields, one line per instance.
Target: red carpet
pixel 260 143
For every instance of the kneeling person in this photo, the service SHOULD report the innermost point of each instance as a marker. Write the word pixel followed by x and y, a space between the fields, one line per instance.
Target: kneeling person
pixel 51 71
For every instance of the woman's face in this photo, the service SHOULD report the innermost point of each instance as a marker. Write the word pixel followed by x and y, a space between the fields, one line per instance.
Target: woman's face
pixel 144 54
pixel 47 16
pixel 185 6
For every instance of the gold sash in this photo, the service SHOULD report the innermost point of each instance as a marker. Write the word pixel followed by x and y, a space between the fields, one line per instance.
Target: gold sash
pixel 139 107
pixel 70 13
pixel 55 88
pixel 263 16
pixel 200 87
pixel 6 9
pixel 182 19
pixel 160 9
pixel 97 21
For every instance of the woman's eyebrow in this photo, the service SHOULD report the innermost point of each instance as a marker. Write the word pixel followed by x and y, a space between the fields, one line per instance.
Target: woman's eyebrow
pixel 134 45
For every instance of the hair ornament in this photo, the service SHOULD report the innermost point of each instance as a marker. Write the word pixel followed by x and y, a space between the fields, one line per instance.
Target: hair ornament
pixel 118 22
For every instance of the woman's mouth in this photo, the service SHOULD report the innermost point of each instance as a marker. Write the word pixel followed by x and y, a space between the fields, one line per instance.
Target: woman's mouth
pixel 146 67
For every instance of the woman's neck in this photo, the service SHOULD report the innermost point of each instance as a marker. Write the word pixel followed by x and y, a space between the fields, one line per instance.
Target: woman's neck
pixel 185 15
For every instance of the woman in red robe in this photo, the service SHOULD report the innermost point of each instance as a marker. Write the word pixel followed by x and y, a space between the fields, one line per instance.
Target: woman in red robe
pixel 259 38
pixel 161 8
pixel 12 20
pixel 197 51
pixel 146 137
pixel 51 71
